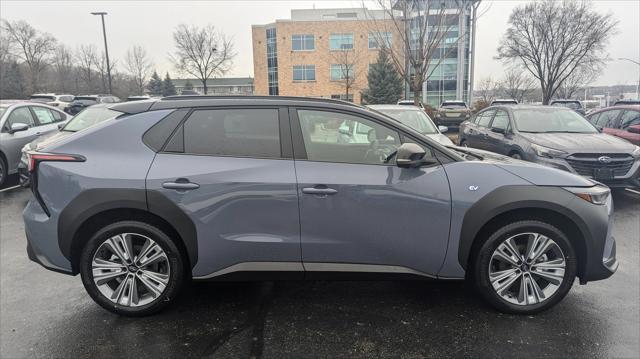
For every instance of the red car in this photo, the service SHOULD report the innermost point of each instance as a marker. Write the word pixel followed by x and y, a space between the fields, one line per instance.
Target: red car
pixel 622 121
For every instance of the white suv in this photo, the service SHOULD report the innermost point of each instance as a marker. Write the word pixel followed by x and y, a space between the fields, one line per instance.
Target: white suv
pixel 51 99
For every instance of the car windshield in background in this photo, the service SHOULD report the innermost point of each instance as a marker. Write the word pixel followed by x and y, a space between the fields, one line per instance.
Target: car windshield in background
pixel 86 100
pixel 42 98
pixel 454 105
pixel 90 117
pixel 549 120
pixel 66 98
pixel 415 119
pixel 571 105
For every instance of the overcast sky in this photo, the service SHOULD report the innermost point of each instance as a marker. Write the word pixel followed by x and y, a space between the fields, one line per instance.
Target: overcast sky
pixel 151 23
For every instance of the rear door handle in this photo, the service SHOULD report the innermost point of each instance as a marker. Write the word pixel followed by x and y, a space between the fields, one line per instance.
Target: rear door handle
pixel 181 184
pixel 319 190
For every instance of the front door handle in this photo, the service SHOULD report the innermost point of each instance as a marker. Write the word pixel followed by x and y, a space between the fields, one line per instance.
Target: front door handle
pixel 319 190
pixel 181 184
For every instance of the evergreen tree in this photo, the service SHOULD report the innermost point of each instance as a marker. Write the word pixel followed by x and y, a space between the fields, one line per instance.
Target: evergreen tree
pixel 155 85
pixel 168 89
pixel 385 84
pixel 12 82
pixel 188 85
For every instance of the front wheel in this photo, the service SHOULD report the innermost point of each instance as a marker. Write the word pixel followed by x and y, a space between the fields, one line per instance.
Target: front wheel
pixel 132 268
pixel 525 267
pixel 3 171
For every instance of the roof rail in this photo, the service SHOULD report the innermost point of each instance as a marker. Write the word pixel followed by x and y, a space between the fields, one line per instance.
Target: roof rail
pixel 259 97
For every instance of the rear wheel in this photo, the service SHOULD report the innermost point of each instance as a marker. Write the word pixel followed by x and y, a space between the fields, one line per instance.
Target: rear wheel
pixel 463 143
pixel 132 268
pixel 525 267
pixel 516 155
pixel 3 171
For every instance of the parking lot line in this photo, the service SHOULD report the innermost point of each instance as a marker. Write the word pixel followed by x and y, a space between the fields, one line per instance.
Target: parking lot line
pixel 8 188
pixel 633 191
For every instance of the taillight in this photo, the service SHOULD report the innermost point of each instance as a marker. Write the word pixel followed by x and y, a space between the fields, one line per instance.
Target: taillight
pixel 36 157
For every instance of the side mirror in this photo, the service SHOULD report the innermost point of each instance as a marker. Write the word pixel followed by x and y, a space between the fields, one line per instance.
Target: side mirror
pixel 61 125
pixel 17 127
pixel 411 155
pixel 634 129
pixel 443 129
pixel 498 130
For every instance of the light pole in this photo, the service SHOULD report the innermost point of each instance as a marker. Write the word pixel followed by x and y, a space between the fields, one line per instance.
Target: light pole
pixel 106 49
pixel 638 84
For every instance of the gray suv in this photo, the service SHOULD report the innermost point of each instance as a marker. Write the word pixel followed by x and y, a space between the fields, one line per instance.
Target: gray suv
pixel 246 188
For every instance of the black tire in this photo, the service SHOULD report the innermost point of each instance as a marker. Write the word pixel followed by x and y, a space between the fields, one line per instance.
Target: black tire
pixel 483 258
pixel 516 155
pixel 3 171
pixel 463 143
pixel 174 256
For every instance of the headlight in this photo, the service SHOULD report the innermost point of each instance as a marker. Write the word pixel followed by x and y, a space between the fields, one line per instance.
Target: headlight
pixel 541 151
pixel 596 194
pixel 636 152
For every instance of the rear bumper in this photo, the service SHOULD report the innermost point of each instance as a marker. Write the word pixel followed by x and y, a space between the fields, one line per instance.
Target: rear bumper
pixel 450 121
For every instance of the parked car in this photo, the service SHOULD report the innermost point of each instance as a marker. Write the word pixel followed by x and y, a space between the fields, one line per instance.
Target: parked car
pixel 621 120
pixel 409 103
pixel 452 113
pixel 627 102
pixel 556 137
pixel 84 101
pixel 503 101
pixel 20 123
pixel 247 187
pixel 55 100
pixel 417 119
pixel 572 104
pixel 85 119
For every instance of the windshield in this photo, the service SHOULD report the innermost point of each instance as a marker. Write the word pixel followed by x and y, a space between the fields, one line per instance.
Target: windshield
pixel 89 117
pixel 571 105
pixel 550 120
pixel 415 119
pixel 454 105
pixel 42 98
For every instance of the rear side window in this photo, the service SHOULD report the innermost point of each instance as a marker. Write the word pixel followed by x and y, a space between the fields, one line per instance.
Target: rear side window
pixel 233 132
pixel 43 115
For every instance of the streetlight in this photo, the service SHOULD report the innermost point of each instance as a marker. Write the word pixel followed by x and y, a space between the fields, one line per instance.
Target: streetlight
pixel 106 49
pixel 638 84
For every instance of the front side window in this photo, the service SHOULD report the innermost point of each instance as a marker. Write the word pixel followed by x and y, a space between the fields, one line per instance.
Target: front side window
pixel 304 72
pixel 484 118
pixel 340 41
pixel 379 40
pixel 500 120
pixel 341 72
pixel 630 118
pixel 302 42
pixel 20 115
pixel 338 137
pixel 233 132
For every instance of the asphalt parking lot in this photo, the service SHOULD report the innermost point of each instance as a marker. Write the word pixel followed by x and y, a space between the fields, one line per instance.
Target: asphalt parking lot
pixel 45 314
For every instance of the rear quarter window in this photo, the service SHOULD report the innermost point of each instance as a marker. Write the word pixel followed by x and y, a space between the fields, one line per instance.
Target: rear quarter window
pixel 233 132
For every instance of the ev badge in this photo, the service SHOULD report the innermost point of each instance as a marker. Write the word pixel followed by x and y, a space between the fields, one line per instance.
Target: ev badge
pixel 473 188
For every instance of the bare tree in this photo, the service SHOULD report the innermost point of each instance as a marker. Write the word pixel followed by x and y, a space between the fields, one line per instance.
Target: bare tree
pixel 104 72
pixel 138 65
pixel 62 62
pixel 517 84
pixel 202 52
pixel 581 77
pixel 487 89
pixel 551 39
pixel 33 47
pixel 421 27
pixel 347 71
pixel 87 58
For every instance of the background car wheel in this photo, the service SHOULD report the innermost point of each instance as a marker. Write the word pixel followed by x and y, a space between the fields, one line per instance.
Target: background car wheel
pixel 525 267
pixel 132 268
pixel 516 155
pixel 463 143
pixel 3 171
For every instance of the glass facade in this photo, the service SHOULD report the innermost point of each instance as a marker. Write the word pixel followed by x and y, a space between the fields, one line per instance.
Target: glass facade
pixel 304 72
pixel 302 43
pixel 340 41
pixel 272 62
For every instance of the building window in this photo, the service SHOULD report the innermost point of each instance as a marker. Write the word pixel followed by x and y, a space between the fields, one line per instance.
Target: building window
pixel 340 41
pixel 304 72
pixel 272 62
pixel 341 71
pixel 377 40
pixel 343 97
pixel 302 43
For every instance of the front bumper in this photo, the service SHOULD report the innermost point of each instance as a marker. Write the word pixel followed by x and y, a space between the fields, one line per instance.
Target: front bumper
pixel 631 179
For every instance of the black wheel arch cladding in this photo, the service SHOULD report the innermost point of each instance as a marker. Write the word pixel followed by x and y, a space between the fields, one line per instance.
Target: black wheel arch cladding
pixel 95 201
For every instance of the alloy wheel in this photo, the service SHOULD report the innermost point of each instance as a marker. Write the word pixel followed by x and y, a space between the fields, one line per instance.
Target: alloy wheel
pixel 130 269
pixel 527 268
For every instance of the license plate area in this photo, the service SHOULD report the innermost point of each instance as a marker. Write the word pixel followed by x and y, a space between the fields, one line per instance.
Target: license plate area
pixel 603 173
